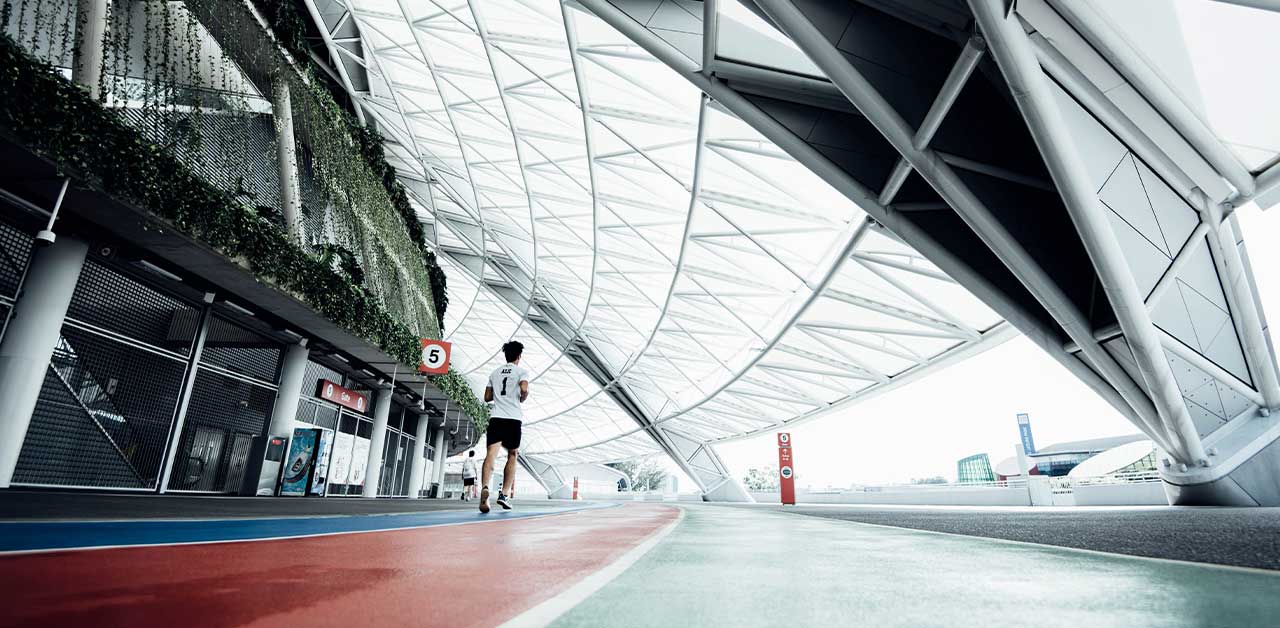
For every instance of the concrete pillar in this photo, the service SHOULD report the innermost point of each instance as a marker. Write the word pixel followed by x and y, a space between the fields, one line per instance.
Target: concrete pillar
pixel 437 465
pixel 91 28
pixel 284 417
pixel 27 348
pixel 377 441
pixel 287 160
pixel 418 463
pixel 284 414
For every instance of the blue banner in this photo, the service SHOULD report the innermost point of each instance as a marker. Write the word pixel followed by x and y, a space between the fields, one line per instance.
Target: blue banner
pixel 1024 430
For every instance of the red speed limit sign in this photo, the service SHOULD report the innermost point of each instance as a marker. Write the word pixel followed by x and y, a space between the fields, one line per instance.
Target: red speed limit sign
pixel 435 356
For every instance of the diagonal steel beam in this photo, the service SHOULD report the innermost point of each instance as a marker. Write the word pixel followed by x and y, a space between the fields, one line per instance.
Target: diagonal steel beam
pixel 867 99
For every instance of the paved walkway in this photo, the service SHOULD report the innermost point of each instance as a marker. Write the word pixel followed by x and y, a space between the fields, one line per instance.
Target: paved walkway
pixel 725 566
pixel 632 565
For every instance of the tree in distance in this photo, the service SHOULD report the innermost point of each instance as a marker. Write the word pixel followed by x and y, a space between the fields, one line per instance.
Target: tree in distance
pixel 644 474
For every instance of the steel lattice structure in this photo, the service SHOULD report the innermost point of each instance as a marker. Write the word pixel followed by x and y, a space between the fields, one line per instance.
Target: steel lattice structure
pixel 644 193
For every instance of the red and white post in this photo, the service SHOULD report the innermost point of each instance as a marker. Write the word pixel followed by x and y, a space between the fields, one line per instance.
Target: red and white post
pixel 786 470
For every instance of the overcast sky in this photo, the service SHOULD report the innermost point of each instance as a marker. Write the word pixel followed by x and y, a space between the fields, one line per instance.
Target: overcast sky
pixel 923 428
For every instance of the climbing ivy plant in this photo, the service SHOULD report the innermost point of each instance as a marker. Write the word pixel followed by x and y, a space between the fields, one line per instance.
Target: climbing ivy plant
pixel 177 129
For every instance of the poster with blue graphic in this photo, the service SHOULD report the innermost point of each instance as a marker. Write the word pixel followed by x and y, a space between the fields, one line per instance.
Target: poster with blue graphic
pixel 1024 430
pixel 297 471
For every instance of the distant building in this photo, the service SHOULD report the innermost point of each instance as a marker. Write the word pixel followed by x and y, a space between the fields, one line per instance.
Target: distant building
pixel 975 468
pixel 1061 458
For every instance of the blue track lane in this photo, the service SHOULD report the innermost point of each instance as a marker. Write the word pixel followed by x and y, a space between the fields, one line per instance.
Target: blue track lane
pixel 55 535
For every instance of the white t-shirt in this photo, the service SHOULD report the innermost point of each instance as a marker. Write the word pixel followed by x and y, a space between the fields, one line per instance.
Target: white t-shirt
pixel 468 468
pixel 505 383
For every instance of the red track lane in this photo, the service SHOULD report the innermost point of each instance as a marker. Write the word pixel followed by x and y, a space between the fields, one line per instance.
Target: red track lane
pixel 463 575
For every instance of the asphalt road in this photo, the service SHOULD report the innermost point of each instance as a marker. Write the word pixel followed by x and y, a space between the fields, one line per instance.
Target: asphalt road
pixel 1245 537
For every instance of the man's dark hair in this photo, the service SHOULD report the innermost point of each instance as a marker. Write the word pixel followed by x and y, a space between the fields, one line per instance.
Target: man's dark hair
pixel 512 350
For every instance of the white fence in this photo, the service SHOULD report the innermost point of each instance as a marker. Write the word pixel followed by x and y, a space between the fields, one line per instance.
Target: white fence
pixel 1127 490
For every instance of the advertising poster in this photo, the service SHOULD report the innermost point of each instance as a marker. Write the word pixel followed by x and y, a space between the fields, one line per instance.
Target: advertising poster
pixel 319 482
pixel 340 463
pixel 297 468
pixel 359 459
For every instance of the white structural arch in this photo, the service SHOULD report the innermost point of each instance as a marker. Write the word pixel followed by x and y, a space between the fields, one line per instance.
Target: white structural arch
pixel 672 204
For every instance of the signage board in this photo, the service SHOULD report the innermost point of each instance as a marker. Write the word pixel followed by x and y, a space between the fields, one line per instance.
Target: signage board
pixel 1024 430
pixel 786 469
pixel 435 356
pixel 330 391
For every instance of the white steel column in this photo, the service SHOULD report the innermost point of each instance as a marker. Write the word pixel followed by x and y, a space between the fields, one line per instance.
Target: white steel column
pixel 287 159
pixel 285 411
pixel 437 465
pixel 417 462
pixel 1104 36
pixel 91 29
pixel 1017 60
pixel 1012 252
pixel 27 348
pixel 1239 292
pixel 377 441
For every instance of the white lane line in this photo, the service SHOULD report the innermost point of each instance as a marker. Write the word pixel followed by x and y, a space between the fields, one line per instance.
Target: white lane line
pixel 550 610
pixel 286 537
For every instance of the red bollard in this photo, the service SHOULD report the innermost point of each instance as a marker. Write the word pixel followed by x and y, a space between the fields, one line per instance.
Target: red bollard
pixel 575 489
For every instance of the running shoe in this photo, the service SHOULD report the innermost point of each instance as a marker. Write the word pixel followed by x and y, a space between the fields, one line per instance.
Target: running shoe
pixel 484 499
pixel 504 501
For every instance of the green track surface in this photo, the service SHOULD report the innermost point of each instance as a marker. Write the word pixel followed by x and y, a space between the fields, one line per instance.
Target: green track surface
pixel 740 567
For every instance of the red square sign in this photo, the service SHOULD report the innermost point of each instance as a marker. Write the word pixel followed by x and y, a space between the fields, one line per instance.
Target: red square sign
pixel 435 356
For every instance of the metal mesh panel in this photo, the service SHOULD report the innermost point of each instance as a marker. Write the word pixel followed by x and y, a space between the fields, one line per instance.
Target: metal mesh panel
pixel 224 412
pixel 237 349
pixel 232 150
pixel 108 299
pixel 326 416
pixel 314 373
pixel 15 249
pixel 103 416
pixel 306 413
pixel 317 218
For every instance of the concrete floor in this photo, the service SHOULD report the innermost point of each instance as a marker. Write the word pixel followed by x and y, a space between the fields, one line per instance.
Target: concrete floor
pixel 627 565
pixel 726 566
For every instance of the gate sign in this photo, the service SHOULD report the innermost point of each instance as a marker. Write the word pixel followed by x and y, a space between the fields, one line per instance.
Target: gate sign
pixel 435 356
pixel 330 391
pixel 786 472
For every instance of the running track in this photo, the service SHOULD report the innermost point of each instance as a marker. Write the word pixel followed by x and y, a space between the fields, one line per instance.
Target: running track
pixel 439 575
pixel 636 565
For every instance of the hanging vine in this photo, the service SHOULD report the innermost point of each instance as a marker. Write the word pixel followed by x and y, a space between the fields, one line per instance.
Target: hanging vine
pixel 186 133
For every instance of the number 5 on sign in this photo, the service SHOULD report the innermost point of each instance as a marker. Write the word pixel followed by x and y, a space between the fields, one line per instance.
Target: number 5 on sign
pixel 435 356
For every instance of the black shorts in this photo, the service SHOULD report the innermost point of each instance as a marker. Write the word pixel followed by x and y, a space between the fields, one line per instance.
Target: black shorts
pixel 468 481
pixel 505 431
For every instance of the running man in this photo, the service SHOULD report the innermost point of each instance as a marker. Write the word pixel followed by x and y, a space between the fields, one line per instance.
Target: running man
pixel 469 476
pixel 508 388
